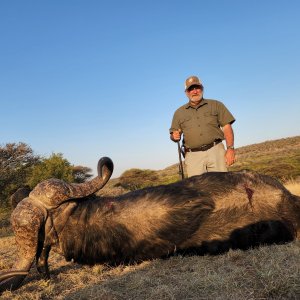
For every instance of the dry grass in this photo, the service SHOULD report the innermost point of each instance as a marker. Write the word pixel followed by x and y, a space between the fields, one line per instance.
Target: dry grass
pixel 5 229
pixel 270 272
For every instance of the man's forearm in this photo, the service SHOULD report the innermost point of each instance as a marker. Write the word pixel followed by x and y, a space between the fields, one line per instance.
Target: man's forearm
pixel 229 135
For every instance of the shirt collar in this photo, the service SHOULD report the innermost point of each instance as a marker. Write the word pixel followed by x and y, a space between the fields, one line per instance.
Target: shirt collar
pixel 202 102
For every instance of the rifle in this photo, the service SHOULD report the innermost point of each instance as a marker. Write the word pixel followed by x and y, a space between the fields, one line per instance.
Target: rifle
pixel 181 172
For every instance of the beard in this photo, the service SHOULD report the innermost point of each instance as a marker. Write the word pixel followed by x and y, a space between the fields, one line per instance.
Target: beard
pixel 195 99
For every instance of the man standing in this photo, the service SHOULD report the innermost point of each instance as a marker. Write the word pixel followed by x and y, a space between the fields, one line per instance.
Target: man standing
pixel 204 124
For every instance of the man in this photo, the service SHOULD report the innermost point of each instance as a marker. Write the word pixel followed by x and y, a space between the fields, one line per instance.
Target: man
pixel 204 124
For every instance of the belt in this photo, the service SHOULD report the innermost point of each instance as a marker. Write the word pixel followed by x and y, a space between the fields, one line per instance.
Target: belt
pixel 203 147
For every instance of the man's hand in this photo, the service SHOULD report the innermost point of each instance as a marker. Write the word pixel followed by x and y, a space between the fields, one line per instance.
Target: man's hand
pixel 176 135
pixel 230 156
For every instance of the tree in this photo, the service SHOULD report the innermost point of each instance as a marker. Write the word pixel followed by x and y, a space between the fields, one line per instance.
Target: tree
pixel 53 167
pixel 81 174
pixel 16 163
pixel 20 167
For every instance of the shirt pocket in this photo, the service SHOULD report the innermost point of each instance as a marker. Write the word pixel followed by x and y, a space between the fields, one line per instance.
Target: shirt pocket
pixel 186 123
pixel 212 118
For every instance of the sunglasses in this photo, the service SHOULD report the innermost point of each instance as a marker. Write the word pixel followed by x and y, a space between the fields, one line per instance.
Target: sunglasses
pixel 194 87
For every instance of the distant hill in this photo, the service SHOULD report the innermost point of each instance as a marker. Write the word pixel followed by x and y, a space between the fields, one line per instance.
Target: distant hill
pixel 277 158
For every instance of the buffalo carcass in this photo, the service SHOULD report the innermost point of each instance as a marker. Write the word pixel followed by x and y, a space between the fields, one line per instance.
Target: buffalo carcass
pixel 210 213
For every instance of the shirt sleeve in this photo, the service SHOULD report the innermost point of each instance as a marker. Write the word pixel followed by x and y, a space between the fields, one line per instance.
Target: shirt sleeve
pixel 224 115
pixel 175 122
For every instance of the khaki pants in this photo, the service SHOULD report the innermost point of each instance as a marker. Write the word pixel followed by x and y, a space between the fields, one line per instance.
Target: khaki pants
pixel 212 160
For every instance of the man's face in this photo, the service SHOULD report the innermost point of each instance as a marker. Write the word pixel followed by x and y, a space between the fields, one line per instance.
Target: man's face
pixel 195 94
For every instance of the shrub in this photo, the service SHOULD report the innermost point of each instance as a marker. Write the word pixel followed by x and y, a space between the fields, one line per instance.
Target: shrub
pixel 135 179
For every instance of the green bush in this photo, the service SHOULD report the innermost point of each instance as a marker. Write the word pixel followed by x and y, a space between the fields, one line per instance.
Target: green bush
pixel 53 167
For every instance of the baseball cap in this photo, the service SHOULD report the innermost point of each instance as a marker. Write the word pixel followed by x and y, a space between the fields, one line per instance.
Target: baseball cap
pixel 192 80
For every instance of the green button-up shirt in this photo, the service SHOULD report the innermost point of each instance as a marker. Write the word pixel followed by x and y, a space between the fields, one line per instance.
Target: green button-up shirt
pixel 201 125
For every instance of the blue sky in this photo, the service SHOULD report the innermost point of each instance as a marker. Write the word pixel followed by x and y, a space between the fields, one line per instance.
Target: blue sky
pixel 103 78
